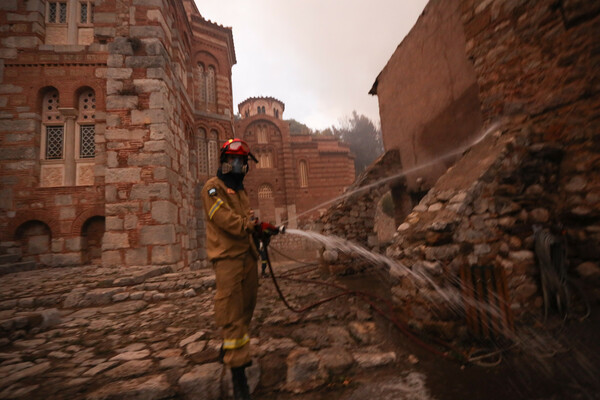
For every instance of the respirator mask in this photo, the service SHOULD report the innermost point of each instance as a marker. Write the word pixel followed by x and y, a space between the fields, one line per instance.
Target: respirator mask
pixel 235 165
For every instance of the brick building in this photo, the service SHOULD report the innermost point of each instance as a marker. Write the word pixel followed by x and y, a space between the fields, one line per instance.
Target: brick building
pixel 111 115
pixel 111 118
pixel 295 173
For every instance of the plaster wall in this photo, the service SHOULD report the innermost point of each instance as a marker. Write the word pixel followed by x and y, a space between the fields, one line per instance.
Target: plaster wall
pixel 427 95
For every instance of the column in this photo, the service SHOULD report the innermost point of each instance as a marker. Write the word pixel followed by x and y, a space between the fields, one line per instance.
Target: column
pixel 69 114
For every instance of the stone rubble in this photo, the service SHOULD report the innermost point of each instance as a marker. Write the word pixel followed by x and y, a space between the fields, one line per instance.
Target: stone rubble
pixel 100 333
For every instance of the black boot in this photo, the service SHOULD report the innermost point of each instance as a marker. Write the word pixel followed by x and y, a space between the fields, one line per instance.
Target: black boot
pixel 241 391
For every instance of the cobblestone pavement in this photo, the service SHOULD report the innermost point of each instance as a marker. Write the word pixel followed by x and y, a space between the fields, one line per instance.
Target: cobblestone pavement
pixel 97 333
pixel 148 333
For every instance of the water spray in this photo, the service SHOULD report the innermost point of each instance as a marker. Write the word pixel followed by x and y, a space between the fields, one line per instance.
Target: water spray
pixel 492 128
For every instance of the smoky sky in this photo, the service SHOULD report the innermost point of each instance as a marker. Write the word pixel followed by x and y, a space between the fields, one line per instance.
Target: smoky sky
pixel 319 57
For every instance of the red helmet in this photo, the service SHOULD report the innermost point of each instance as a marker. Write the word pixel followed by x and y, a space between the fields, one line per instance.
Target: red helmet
pixel 236 147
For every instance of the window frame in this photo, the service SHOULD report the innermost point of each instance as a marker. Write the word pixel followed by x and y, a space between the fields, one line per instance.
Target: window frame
pixel 44 150
pixel 57 13
pixel 79 144
pixel 89 12
pixel 303 173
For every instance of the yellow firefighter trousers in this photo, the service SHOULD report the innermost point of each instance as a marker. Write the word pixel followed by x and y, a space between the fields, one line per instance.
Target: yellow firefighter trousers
pixel 237 286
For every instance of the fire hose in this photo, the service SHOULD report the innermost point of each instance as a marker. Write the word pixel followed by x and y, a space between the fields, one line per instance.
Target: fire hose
pixel 451 352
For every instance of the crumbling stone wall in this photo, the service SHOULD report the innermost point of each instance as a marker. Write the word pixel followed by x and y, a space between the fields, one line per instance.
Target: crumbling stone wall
pixel 536 66
pixel 464 223
pixel 353 217
pixel 538 61
pixel 537 73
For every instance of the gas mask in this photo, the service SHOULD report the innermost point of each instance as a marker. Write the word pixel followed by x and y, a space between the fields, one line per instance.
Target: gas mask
pixel 234 165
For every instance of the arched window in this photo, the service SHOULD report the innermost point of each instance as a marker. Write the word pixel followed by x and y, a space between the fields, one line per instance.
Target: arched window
pixel 201 82
pixel 213 153
pixel 263 109
pixel 202 153
pixel 265 191
pixel 262 134
pixel 303 173
pixel 53 131
pixel 276 112
pixel 265 160
pixel 211 92
pixel 87 130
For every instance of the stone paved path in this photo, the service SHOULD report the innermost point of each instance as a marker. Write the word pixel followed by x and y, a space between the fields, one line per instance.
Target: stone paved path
pixel 148 333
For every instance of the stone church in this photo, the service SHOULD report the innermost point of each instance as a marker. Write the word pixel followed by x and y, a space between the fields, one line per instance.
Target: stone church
pixel 296 174
pixel 112 114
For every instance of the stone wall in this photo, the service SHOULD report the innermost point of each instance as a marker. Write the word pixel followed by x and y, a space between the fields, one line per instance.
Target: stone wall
pixel 537 70
pixel 469 244
pixel 353 217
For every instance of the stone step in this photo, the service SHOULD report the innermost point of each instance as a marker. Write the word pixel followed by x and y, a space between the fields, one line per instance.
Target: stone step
pixel 17 267
pixel 84 297
pixel 9 258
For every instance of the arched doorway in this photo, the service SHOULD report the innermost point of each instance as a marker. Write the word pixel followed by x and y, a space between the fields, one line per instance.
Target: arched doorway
pixel 92 232
pixel 35 238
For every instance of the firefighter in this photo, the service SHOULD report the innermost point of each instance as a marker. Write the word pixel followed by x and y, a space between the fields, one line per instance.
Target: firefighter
pixel 230 247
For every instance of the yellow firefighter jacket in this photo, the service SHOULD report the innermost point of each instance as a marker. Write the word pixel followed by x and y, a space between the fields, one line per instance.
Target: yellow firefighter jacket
pixel 228 225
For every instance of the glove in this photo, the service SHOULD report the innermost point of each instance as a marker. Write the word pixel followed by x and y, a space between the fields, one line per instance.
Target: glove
pixel 266 228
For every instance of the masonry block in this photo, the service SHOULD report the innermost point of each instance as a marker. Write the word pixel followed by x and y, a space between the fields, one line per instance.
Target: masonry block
pixel 147 32
pixel 149 159
pixel 125 134
pixel 117 102
pixel 137 256
pixel 57 245
pixel 157 234
pixel 149 85
pixel 148 117
pixel 145 61
pixel 130 221
pixel 164 212
pixel 115 240
pixel 166 254
pixel 158 190
pixel 118 73
pixel 123 175
pixel 113 223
